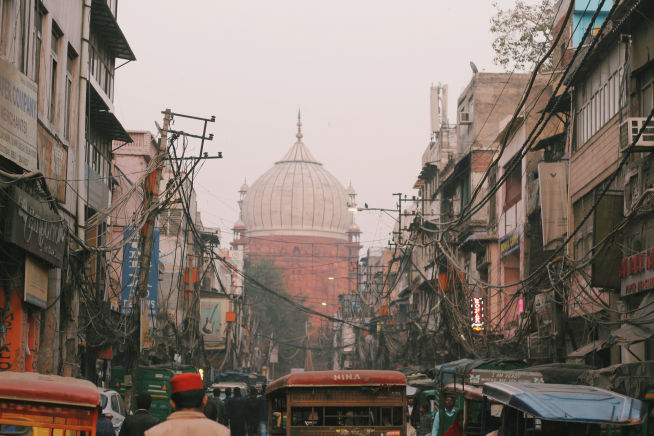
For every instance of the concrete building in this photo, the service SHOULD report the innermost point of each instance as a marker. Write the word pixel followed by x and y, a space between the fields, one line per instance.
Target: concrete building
pixel 610 181
pixel 57 62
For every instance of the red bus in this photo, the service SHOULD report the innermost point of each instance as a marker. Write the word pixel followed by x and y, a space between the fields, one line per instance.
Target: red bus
pixel 37 404
pixel 338 402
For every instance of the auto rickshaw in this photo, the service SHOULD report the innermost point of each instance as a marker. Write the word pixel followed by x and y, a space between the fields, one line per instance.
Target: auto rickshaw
pixel 533 409
pixel 34 404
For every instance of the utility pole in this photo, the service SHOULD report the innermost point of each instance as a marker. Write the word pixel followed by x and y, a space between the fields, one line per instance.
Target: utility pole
pixel 152 208
pixel 150 197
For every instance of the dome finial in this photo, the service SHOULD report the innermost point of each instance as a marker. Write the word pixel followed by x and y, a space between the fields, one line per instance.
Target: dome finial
pixel 299 135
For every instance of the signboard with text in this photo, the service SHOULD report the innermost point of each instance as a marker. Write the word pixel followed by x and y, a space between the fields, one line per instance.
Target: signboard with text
pixel 18 116
pixel 31 225
pixel 130 273
pixel 509 243
pixel 53 163
pixel 637 273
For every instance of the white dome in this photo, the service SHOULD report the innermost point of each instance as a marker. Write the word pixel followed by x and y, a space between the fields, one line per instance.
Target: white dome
pixel 296 197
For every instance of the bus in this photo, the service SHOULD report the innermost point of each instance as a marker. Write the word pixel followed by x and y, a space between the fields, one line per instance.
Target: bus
pixel 338 402
pixel 47 405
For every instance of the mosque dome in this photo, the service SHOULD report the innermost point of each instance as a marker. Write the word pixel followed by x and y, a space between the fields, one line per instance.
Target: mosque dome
pixel 297 197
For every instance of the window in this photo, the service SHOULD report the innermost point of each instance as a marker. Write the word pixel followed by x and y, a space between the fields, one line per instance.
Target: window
pixel 465 191
pixel 68 93
pixel 14 36
pixel 599 97
pixel 513 186
pixel 646 85
pixel 346 416
pixel 54 60
pixel 39 14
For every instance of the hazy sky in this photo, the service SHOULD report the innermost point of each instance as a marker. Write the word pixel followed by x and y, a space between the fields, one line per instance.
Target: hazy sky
pixel 360 70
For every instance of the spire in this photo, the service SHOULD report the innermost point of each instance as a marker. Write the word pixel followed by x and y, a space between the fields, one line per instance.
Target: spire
pixel 298 135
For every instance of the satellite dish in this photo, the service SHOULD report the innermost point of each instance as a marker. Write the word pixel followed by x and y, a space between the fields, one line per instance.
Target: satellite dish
pixel 474 67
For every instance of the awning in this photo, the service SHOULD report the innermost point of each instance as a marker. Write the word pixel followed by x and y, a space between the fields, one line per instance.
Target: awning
pixel 101 117
pixel 589 348
pixel 104 22
pixel 630 334
pixel 639 327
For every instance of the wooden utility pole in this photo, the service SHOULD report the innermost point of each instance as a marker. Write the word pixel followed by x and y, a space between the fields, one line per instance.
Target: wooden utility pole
pixel 150 197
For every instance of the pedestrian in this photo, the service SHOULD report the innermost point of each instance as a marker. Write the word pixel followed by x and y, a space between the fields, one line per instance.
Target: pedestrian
pixel 263 412
pixel 141 420
pixel 188 400
pixel 104 427
pixel 448 417
pixel 424 427
pixel 252 420
pixel 215 408
pixel 228 395
pixel 410 430
pixel 413 412
pixel 237 412
pixel 456 429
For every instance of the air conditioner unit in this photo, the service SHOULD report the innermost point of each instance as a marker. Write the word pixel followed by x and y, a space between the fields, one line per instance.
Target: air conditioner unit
pixel 629 130
pixel 465 118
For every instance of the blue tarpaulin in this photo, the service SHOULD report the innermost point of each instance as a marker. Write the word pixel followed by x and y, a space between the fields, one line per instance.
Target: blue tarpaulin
pixel 567 403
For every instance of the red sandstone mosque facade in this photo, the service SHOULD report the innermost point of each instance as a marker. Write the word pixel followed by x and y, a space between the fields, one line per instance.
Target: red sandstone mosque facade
pixel 297 214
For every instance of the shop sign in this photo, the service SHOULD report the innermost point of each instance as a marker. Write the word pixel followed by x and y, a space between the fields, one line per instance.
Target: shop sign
pixel 637 273
pixel 32 226
pixel 212 314
pixel 36 283
pixel 477 314
pixel 509 243
pixel 53 163
pixel 18 117
pixel 130 273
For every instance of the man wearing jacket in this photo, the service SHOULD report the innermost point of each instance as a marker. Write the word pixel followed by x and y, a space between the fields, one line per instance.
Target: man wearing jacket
pixel 188 400
pixel 141 420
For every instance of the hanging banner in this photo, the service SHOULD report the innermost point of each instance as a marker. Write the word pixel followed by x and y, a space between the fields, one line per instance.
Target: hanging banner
pixel 130 273
pixel 18 117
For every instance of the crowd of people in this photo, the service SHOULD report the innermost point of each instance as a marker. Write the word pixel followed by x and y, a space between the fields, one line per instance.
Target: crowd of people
pixel 421 423
pixel 245 416
pixel 196 414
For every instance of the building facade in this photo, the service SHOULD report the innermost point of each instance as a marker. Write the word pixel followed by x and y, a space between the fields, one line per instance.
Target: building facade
pixel 56 61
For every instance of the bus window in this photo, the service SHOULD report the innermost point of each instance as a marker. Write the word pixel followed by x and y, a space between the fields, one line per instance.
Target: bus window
pixel 307 416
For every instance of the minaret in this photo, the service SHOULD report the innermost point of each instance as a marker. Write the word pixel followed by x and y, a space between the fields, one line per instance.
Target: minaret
pixel 239 226
pixel 353 232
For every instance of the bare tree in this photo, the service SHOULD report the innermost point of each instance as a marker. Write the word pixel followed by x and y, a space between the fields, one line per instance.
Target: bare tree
pixel 522 35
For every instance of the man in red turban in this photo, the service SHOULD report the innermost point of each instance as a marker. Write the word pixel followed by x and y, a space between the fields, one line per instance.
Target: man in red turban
pixel 188 400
